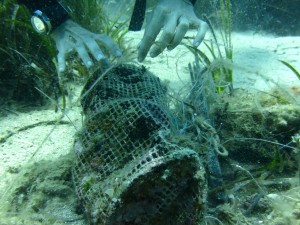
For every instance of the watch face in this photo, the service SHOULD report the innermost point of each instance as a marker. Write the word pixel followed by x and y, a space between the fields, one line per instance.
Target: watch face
pixel 38 24
pixel 41 22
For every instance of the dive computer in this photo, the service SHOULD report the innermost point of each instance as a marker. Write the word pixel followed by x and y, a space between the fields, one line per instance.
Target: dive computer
pixel 40 22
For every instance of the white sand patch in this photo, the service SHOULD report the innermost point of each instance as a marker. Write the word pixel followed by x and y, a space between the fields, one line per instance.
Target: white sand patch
pixel 255 59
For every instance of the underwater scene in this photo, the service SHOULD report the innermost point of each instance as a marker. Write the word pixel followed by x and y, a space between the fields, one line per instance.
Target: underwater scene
pixel 157 112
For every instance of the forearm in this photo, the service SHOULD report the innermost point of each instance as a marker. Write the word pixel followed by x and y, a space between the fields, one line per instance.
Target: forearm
pixel 54 10
pixel 193 1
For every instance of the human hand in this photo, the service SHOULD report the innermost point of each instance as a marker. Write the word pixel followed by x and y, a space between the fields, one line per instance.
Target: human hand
pixel 174 18
pixel 71 36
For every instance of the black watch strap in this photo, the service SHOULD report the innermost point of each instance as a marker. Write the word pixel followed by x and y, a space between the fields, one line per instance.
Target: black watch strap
pixel 57 14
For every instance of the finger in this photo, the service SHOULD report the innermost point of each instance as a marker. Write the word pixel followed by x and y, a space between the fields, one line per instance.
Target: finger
pixel 151 32
pixel 83 54
pixel 63 49
pixel 109 44
pixel 203 28
pixel 182 28
pixel 61 60
pixel 166 36
pixel 94 49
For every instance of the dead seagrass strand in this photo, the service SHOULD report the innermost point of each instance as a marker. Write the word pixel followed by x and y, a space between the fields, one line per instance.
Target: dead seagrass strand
pixel 126 171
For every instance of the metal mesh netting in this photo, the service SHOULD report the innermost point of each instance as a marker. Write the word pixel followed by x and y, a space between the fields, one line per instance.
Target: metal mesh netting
pixel 126 171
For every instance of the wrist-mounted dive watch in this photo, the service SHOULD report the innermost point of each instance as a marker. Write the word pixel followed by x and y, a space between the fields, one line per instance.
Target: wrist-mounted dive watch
pixel 47 16
pixel 40 22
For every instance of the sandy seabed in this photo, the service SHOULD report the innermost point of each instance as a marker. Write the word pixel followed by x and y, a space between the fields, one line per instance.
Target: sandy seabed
pixel 34 135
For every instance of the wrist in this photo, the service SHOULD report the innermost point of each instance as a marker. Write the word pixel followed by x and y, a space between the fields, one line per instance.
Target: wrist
pixel 190 1
pixel 193 2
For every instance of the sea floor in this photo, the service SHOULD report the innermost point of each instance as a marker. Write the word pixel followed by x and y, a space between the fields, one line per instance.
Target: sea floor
pixel 31 137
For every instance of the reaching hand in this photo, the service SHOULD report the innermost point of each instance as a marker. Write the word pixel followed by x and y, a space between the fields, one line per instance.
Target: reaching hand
pixel 174 18
pixel 70 36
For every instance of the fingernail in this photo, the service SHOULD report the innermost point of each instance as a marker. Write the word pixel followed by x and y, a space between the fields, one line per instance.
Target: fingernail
pixel 99 57
pixel 153 54
pixel 89 63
